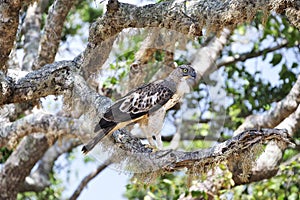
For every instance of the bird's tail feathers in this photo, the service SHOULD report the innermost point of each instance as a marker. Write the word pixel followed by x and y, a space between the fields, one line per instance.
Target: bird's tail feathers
pixel 104 124
pixel 92 143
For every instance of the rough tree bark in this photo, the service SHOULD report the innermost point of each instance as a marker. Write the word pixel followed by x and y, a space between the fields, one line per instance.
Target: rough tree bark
pixel 8 27
pixel 38 132
pixel 52 32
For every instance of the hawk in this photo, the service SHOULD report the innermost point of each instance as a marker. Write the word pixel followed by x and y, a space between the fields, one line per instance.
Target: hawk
pixel 146 105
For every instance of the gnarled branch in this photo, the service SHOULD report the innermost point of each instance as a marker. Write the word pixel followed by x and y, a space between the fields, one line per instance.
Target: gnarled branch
pixel 18 166
pixel 138 158
pixel 188 17
pixel 52 32
pixel 39 179
pixel 38 123
pixel 8 28
pixel 55 78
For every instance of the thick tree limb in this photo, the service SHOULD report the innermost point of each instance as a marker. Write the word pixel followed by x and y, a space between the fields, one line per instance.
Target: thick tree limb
pixel 293 16
pixel 192 138
pixel 144 160
pixel 11 112
pixel 52 32
pixel 59 77
pixel 19 164
pixel 9 20
pixel 53 79
pixel 157 40
pixel 139 158
pixel 39 179
pixel 267 165
pixel 187 17
pixel 31 30
pixel 120 16
pixel 285 115
pixel 97 56
pixel 158 160
pixel 163 160
pixel 38 123
pixel 54 126
pixel 292 122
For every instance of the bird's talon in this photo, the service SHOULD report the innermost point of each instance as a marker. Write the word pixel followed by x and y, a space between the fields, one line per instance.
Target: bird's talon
pixel 152 147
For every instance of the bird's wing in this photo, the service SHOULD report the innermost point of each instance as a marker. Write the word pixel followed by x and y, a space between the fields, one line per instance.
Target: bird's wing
pixel 143 100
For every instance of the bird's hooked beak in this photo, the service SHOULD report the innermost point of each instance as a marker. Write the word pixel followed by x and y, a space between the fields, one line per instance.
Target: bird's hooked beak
pixel 193 75
pixel 191 78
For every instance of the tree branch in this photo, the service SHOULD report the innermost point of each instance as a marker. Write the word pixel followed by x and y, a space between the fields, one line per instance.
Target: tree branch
pixel 285 115
pixel 52 32
pixel 188 18
pixel 18 166
pixel 39 179
pixel 8 28
pixel 138 158
pixel 161 160
pixel 157 40
pixel 133 154
pixel 193 138
pixel 293 16
pixel 53 79
pixel 87 179
pixel 292 122
pixel 205 58
pixel 242 57
pixel 11 112
pixel 60 77
pixel 267 165
pixel 31 29
pixel 39 123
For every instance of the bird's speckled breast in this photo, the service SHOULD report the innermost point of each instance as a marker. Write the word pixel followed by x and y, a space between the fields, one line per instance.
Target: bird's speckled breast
pixel 181 89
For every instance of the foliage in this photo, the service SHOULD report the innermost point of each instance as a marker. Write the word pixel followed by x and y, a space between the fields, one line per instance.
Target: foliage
pixel 252 90
pixel 4 154
pixel 52 192
pixel 80 15
pixel 168 186
pixel 283 186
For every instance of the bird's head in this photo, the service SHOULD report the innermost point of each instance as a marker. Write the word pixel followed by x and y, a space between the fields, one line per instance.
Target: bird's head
pixel 184 72
pixel 187 72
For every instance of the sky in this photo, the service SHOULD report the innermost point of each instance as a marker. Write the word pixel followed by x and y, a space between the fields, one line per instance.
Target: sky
pixel 110 184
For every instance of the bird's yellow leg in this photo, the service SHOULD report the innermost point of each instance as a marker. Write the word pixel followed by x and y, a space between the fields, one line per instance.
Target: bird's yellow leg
pixel 159 141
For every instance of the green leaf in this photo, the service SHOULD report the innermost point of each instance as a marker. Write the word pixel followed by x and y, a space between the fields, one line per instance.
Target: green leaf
pixel 196 193
pixel 113 80
pixel 294 65
pixel 276 59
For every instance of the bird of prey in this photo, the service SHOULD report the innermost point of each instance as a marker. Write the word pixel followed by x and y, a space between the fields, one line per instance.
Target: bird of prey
pixel 146 105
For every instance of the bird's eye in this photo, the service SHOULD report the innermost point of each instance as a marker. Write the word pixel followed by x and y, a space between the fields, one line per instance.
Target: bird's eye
pixel 185 70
